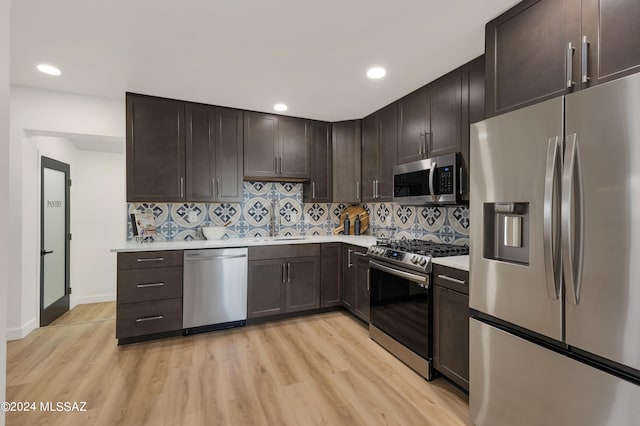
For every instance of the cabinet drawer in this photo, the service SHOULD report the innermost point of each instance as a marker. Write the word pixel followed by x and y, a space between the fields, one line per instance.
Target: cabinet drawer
pixel 149 259
pixel 138 319
pixel 283 251
pixel 141 285
pixel 451 278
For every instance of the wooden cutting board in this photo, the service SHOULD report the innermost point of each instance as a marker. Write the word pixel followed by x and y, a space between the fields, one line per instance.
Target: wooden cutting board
pixel 352 212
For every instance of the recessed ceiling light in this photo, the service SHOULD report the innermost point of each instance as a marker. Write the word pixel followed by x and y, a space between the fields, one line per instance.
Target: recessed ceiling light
pixel 49 69
pixel 280 107
pixel 376 72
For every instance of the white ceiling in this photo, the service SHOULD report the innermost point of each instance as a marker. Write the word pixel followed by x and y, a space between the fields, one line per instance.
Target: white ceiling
pixel 311 55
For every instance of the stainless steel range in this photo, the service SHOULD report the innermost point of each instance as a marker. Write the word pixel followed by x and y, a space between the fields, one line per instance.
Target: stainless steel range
pixel 401 298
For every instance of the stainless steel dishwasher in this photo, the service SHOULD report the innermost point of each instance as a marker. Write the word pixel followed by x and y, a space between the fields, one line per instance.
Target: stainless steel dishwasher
pixel 215 289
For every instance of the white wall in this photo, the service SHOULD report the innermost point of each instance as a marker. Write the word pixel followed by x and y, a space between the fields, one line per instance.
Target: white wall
pixel 4 187
pixel 99 224
pixel 48 111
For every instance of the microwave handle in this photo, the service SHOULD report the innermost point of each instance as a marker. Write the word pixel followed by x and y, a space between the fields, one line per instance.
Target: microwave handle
pixel 434 197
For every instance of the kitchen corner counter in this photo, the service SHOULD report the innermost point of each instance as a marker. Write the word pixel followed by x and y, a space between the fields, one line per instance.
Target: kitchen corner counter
pixel 129 247
pixel 366 241
pixel 457 262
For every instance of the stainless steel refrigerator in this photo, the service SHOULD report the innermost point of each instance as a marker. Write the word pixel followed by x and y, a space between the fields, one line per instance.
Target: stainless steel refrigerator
pixel 555 261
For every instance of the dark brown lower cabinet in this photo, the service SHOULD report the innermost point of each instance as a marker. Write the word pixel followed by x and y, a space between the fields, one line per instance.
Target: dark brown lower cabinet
pixel 149 295
pixel 361 308
pixel 451 324
pixel 331 275
pixel 266 290
pixel 283 279
pixel 355 281
pixel 303 283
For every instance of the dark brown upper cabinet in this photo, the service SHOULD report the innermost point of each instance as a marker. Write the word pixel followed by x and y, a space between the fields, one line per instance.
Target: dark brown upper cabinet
pixel 319 188
pixel 275 147
pixel 610 40
pixel 472 112
pixel 155 149
pixel 346 161
pixel 541 49
pixel 445 134
pixel 213 154
pixel 430 119
pixel 379 151
pixel 413 122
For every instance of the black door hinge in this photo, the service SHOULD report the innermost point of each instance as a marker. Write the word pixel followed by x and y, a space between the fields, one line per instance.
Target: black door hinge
pixel 69 236
pixel 69 182
pixel 69 290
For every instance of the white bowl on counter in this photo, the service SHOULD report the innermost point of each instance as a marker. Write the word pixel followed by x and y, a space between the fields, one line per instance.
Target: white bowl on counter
pixel 213 232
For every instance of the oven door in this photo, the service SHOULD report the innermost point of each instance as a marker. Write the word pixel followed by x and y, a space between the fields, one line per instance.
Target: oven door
pixel 401 306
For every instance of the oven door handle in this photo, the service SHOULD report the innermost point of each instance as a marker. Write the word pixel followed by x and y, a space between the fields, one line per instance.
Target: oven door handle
pixel 402 274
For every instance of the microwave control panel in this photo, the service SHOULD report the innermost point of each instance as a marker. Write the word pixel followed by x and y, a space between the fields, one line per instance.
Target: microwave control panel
pixel 446 177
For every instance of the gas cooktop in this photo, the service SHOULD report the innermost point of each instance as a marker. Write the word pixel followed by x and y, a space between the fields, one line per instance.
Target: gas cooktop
pixel 413 254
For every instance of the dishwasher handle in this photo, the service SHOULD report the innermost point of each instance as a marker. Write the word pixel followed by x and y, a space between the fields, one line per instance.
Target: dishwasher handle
pixel 196 256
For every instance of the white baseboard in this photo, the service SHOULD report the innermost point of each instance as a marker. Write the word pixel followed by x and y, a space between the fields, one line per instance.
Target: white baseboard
pixel 92 299
pixel 22 332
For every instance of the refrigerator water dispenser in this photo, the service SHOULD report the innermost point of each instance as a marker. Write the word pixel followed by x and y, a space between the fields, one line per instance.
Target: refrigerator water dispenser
pixel 506 232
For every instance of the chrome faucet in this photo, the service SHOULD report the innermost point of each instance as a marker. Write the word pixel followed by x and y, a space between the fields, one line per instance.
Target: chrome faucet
pixel 275 218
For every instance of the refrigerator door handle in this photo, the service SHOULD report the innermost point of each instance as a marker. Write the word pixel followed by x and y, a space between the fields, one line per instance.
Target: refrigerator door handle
pixel 552 264
pixel 572 221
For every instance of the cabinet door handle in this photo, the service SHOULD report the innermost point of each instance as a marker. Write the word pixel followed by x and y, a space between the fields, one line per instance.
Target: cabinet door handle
pixel 219 188
pixel 368 279
pixel 349 264
pixel 288 272
pixel 151 318
pixel 420 147
pixel 276 161
pixel 151 259
pixel 570 50
pixel 181 187
pixel 460 183
pixel 150 285
pixel 430 145
pixel 453 280
pixel 585 62
pixel 284 272
pixel 214 189
pixel 313 190
pixel 358 191
pixel 357 253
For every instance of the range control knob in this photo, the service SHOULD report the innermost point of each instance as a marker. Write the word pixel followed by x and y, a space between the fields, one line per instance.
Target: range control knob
pixel 423 261
pixel 414 259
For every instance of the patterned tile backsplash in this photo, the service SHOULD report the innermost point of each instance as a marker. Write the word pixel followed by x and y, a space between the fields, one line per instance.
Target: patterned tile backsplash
pixel 252 217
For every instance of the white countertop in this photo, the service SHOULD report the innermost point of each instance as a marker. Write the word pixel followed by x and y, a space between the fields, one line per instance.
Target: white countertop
pixel 360 240
pixel 458 262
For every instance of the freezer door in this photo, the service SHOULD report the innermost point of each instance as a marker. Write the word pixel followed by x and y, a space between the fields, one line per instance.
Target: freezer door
pixel 514 205
pixel 516 382
pixel 603 301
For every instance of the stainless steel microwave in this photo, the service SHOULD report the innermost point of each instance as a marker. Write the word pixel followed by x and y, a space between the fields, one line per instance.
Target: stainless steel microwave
pixel 436 180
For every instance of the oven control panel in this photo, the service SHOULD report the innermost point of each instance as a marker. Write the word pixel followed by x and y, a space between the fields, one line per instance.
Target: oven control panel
pixel 411 261
pixel 396 255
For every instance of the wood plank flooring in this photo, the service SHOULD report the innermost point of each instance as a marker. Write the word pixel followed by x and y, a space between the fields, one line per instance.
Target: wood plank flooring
pixel 316 370
pixel 87 313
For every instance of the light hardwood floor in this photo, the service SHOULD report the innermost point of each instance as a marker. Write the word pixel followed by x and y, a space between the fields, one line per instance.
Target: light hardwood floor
pixel 87 313
pixel 321 369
